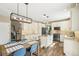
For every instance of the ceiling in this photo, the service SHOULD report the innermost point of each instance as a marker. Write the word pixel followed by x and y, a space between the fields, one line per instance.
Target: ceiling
pixel 7 8
pixel 54 11
pixel 39 11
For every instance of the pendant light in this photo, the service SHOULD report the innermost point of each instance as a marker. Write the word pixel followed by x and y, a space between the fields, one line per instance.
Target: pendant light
pixel 19 18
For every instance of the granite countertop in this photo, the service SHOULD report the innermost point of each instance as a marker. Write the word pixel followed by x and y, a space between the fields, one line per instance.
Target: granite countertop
pixel 72 38
pixel 69 37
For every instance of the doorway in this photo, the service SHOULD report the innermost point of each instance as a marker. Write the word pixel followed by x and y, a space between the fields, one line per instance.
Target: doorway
pixel 16 31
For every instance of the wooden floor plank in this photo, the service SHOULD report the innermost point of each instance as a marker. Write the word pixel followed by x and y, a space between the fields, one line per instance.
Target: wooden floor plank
pixel 56 50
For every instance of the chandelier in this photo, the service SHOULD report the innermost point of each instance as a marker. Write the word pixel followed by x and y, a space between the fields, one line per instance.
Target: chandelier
pixel 20 18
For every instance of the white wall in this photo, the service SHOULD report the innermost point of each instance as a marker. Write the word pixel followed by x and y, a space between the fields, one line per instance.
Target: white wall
pixel 4 33
pixel 5 23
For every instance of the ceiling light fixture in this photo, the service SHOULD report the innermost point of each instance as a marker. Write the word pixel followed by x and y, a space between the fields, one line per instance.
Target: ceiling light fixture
pixel 45 15
pixel 20 18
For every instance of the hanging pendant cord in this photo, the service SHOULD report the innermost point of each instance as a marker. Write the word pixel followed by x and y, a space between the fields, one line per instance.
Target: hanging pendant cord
pixel 17 8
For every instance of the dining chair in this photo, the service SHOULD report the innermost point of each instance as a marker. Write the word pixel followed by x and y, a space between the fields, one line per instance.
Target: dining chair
pixel 33 49
pixel 20 52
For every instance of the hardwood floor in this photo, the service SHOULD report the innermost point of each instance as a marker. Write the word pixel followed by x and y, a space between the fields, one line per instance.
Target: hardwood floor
pixel 56 49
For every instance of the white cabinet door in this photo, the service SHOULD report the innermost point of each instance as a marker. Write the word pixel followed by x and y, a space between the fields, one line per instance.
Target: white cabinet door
pixel 49 40
pixel 75 18
pixel 61 38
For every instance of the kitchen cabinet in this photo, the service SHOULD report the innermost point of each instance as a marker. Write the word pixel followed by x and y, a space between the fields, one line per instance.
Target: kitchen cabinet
pixel 75 18
pixel 71 47
pixel 46 41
